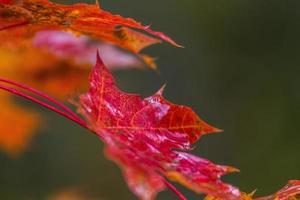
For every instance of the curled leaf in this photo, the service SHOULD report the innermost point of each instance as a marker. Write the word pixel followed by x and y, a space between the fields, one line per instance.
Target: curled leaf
pixel 20 22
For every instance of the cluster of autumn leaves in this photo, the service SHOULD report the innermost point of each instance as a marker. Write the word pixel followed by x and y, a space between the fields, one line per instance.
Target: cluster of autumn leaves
pixel 50 47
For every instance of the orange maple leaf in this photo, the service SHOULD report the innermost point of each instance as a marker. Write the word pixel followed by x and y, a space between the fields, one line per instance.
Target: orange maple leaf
pixel 25 55
pixel 24 20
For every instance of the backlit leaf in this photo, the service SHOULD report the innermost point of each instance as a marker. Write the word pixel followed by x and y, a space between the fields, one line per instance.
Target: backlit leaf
pixel 148 138
pixel 21 21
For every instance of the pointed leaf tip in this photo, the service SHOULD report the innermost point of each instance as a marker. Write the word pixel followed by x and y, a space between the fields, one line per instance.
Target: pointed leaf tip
pixel 161 90
pixel 97 2
pixel 217 130
pixel 99 59
pixel 230 169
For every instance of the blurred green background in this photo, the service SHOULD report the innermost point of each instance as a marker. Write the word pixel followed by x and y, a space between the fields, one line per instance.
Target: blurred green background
pixel 239 71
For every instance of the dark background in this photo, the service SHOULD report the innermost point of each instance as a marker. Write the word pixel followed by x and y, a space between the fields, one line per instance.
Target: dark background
pixel 239 71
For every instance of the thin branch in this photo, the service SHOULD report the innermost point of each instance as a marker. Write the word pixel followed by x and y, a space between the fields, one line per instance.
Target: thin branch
pixel 43 95
pixel 30 98
pixel 173 189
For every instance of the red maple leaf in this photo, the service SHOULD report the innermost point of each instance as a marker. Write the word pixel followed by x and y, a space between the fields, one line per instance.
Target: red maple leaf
pixel 148 138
